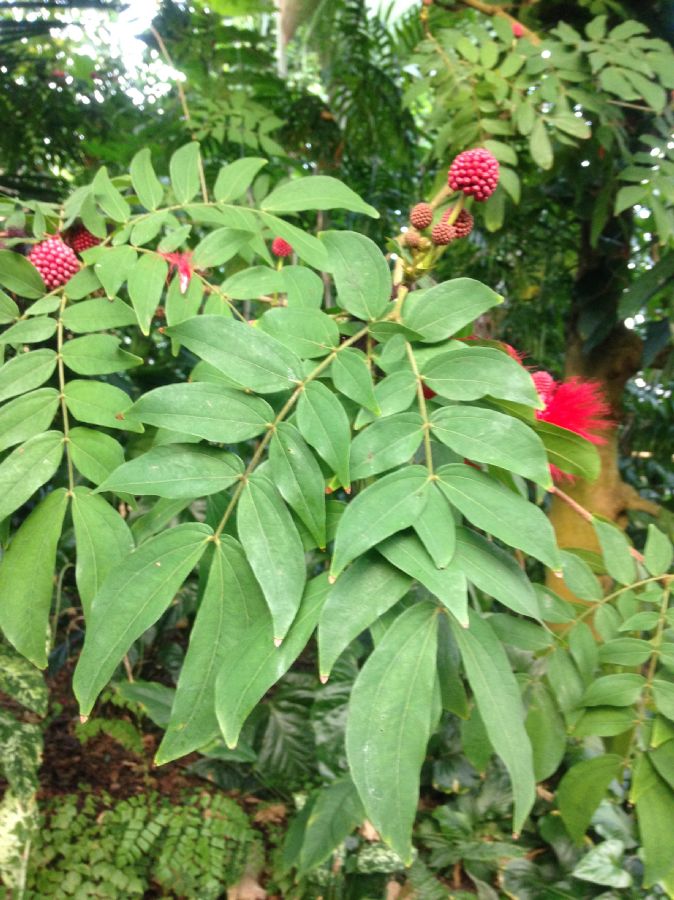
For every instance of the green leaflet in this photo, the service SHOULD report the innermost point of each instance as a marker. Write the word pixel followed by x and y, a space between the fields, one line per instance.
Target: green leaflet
pixel 97 315
pixel 486 436
pixel 309 333
pixel 581 790
pixel 98 354
pixel 204 410
pixel 184 171
pixel 441 311
pixel 298 478
pixel 103 540
pixel 95 454
pixel 25 372
pixel 654 801
pixel 252 664
pixel 26 416
pixel 495 572
pixel 546 729
pixel 99 404
pixel 274 550
pixel 27 468
pixel 473 372
pixel 361 273
pixel 449 584
pixel 351 376
pixel 231 603
pixel 335 813
pixel 393 394
pixel 365 591
pixel 146 285
pixel 498 700
pixel 615 549
pixel 26 587
pixel 108 197
pixel 113 266
pixel 219 246
pixel 20 276
pixel 436 527
pixel 234 179
pixel 145 183
pixel 316 192
pixel 385 444
pixel 304 289
pixel 29 331
pixel 658 552
pixel 324 425
pixel 247 355
pixel 499 511
pixel 130 600
pixel 390 721
pixel 569 451
pixel 176 471
pixel 307 247
pixel 389 505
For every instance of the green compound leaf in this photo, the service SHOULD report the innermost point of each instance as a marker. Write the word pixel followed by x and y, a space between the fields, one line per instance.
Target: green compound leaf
pixel 253 664
pixel 176 471
pixel 498 700
pixel 361 273
pixel 439 312
pixel 27 468
pixel 499 511
pixel 103 540
pixel 274 550
pixel 131 599
pixel 364 592
pixel 389 505
pixel 390 721
pixel 204 410
pixel 324 425
pixel 26 588
pixel 247 355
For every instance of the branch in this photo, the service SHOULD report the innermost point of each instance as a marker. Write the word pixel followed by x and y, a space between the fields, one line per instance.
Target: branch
pixel 488 10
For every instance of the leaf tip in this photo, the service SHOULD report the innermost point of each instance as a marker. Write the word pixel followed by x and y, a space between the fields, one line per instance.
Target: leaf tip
pixel 278 641
pixel 323 679
pixel 84 720
pixel 331 578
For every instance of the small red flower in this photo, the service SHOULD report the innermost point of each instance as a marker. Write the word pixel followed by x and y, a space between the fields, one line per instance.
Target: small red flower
pixel 575 404
pixel 182 263
pixel 518 29
pixel 282 248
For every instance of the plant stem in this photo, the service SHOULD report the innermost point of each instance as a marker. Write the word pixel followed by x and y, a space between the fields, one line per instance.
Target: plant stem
pixel 62 396
pixel 183 103
pixel 423 409
pixel 284 411
pixel 587 515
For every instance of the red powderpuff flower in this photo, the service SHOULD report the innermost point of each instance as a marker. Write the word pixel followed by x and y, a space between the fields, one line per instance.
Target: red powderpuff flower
pixel 577 405
pixel 182 263
pixel 55 261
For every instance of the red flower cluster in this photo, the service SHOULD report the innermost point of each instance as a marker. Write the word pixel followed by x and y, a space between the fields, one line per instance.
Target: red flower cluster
pixel 475 173
pixel 82 239
pixel 281 248
pixel 55 261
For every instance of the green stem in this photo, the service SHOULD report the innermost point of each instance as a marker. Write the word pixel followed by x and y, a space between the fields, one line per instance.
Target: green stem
pixel 285 410
pixel 423 409
pixel 62 396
